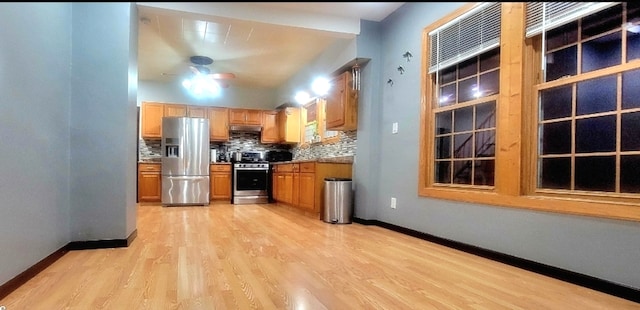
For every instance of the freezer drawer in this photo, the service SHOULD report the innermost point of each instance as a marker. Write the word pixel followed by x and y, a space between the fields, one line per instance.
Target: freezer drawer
pixel 185 190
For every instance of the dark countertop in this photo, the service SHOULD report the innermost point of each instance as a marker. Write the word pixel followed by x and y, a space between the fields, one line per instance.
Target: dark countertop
pixel 158 161
pixel 338 160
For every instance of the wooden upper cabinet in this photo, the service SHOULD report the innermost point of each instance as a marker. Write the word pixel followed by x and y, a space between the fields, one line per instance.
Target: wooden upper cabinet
pixel 194 111
pixel 245 117
pixel 175 110
pixel 151 124
pixel 237 116
pixel 270 132
pixel 342 104
pixel 254 117
pixel 218 124
pixel 289 125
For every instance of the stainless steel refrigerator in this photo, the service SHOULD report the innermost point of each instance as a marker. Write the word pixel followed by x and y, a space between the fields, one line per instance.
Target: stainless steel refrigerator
pixel 185 161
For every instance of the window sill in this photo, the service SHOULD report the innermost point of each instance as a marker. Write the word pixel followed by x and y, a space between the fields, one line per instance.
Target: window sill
pixel 620 210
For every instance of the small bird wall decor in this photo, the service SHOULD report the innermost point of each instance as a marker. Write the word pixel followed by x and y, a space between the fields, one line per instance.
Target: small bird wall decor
pixel 407 55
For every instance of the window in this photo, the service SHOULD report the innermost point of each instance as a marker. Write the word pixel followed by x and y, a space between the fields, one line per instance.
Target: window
pixel 589 137
pixel 465 75
pixel 548 119
pixel 465 121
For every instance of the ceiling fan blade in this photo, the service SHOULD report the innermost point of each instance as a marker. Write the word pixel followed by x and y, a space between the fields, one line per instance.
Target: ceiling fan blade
pixel 222 76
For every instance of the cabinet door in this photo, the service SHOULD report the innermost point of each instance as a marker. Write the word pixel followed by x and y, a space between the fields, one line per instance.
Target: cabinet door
pixel 197 111
pixel 287 187
pixel 218 124
pixel 175 110
pixel 149 186
pixel 281 188
pixel 237 116
pixel 275 186
pixel 220 185
pixel 289 125
pixel 253 117
pixel 307 187
pixel 295 189
pixel 269 127
pixel 151 115
pixel 335 102
pixel 341 104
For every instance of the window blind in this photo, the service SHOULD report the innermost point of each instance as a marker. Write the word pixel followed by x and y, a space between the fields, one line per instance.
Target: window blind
pixel 542 16
pixel 469 35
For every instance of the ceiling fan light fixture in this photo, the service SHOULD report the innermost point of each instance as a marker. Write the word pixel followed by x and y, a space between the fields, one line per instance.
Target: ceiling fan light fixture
pixel 201 86
pixel 202 69
pixel 201 60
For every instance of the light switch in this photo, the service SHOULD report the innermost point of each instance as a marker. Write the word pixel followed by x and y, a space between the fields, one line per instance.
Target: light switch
pixel 394 128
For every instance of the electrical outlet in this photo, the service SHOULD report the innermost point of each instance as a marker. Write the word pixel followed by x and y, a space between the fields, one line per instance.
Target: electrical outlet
pixel 394 127
pixel 393 202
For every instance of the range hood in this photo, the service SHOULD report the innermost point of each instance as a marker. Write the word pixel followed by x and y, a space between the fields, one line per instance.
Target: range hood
pixel 245 128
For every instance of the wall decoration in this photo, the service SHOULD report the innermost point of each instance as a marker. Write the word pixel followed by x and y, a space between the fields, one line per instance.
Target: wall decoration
pixel 390 82
pixel 401 70
pixel 407 55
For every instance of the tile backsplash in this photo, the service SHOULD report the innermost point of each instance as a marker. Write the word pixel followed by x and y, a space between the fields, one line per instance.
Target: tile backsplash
pixel 246 141
pixel 149 149
pixel 344 147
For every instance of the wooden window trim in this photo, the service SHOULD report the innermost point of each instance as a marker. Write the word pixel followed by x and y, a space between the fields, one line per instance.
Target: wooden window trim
pixel 515 176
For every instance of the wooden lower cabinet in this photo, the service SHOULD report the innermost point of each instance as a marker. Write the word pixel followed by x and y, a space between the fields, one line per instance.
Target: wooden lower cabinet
pixel 149 182
pixel 220 180
pixel 301 185
pixel 287 187
pixel 307 186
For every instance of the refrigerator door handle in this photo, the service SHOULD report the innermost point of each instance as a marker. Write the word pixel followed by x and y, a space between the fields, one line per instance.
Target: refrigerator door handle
pixel 185 177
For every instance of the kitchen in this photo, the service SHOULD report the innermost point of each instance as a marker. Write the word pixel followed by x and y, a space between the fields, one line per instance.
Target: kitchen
pixel 239 122
pixel 274 137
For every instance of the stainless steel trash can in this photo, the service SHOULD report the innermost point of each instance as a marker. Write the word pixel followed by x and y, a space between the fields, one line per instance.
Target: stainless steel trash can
pixel 338 201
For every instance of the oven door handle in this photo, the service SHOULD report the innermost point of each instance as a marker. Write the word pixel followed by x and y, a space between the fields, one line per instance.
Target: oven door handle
pixel 251 169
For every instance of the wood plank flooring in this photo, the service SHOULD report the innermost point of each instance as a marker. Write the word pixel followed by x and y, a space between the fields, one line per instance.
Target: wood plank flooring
pixel 269 257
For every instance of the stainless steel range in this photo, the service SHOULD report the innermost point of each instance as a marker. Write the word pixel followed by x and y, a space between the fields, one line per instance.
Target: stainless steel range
pixel 250 179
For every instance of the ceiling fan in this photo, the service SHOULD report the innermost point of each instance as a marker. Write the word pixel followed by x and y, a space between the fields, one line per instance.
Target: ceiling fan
pixel 199 67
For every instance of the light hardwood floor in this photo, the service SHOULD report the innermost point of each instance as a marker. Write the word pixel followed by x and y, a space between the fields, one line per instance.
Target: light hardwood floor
pixel 270 257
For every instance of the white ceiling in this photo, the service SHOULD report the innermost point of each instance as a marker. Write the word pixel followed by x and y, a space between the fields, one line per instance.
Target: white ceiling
pixel 262 43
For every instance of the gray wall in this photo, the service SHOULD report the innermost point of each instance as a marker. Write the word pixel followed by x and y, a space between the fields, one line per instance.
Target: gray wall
pixel 236 97
pixel 34 133
pixel 366 168
pixel 67 171
pixel 103 122
pixel 333 58
pixel 602 248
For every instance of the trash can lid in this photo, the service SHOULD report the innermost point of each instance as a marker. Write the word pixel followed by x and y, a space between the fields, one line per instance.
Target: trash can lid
pixel 337 179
